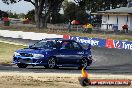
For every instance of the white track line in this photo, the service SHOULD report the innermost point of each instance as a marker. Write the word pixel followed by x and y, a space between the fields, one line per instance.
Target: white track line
pixel 13 43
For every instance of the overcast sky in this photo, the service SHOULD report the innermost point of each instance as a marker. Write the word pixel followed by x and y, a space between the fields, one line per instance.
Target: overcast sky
pixel 20 7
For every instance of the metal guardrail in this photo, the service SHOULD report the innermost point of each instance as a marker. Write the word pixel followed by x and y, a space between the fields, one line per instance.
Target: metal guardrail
pixel 58 26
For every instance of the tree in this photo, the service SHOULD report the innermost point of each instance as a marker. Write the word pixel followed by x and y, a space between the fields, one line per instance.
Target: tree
pixel 70 10
pixel 100 5
pixel 2 14
pixel 12 15
pixel 74 12
pixel 31 15
pixel 46 7
pixel 21 15
pixel 57 18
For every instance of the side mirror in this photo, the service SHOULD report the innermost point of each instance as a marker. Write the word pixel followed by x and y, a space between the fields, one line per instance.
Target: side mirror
pixel 89 47
pixel 29 46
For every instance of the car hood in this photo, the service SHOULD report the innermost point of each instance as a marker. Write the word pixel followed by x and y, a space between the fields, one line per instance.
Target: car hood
pixel 37 51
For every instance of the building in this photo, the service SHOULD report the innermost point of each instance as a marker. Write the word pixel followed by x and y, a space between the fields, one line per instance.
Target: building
pixel 116 17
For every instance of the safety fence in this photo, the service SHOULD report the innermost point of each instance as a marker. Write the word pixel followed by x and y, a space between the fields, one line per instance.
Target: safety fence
pixel 66 27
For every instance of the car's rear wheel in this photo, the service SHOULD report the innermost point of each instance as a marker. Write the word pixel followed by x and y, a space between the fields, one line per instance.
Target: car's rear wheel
pixel 21 65
pixel 51 63
pixel 83 64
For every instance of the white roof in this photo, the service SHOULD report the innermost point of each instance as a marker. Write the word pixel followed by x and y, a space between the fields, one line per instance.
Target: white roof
pixel 118 10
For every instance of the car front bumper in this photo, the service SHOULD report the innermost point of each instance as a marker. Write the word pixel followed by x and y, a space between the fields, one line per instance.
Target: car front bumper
pixel 30 60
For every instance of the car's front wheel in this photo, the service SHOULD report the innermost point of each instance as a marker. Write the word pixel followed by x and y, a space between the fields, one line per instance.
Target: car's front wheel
pixel 83 64
pixel 51 63
pixel 21 65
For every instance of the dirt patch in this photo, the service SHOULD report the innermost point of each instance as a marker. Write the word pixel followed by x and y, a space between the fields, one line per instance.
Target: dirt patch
pixel 47 80
pixel 15 80
pixel 25 81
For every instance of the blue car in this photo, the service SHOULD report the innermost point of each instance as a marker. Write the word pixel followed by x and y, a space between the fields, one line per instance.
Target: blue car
pixel 54 53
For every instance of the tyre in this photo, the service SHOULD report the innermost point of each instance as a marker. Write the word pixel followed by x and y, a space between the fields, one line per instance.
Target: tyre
pixel 83 63
pixel 21 65
pixel 51 63
pixel 84 81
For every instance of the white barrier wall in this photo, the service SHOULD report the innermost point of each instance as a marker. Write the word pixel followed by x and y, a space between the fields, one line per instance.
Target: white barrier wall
pixel 28 35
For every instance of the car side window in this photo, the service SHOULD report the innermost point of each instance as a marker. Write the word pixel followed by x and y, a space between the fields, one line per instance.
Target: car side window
pixel 49 44
pixel 76 45
pixel 67 45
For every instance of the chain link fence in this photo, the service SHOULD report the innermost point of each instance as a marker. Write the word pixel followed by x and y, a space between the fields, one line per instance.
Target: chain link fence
pixel 77 28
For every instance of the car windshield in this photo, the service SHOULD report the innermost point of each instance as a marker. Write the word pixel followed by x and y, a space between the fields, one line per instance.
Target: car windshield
pixel 44 44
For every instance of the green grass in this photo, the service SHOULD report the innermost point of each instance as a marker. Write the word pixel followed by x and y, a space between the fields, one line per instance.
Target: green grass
pixel 7 51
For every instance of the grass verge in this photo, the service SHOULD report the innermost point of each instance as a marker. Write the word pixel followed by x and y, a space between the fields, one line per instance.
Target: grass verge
pixel 6 52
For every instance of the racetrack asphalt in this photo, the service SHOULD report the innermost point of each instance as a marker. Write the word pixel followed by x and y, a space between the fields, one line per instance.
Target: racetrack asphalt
pixel 107 61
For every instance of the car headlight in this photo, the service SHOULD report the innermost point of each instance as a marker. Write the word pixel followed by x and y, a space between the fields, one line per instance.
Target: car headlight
pixel 38 55
pixel 16 54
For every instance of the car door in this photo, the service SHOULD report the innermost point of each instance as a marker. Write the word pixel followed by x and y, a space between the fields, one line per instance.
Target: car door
pixel 65 54
pixel 78 52
pixel 70 53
